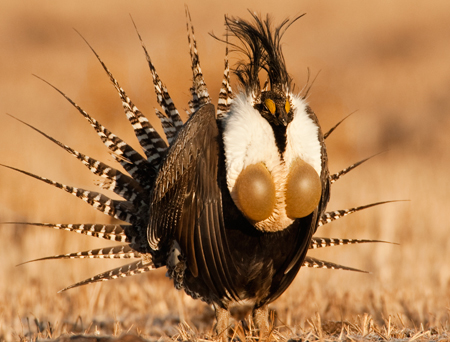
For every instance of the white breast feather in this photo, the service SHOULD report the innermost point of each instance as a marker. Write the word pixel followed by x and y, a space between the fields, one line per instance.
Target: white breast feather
pixel 303 138
pixel 249 139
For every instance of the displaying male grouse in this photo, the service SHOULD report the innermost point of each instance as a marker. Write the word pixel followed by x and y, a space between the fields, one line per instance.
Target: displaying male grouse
pixel 231 205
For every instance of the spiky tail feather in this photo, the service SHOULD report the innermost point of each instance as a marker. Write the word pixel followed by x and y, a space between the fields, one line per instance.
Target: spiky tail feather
pixel 112 232
pixel 199 91
pixel 331 216
pixel 327 134
pixel 151 142
pixel 162 95
pixel 225 95
pixel 135 268
pixel 115 252
pixel 168 126
pixel 316 263
pixel 336 176
pixel 121 210
pixel 136 166
pixel 318 242
pixel 121 184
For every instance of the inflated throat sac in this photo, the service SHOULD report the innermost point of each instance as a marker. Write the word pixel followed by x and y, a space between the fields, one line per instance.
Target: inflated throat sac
pixel 303 189
pixel 255 194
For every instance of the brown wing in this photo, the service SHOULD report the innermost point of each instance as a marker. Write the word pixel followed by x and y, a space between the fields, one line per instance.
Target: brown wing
pixel 186 203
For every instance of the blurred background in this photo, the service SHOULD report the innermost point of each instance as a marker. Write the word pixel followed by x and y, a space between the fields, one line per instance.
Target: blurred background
pixel 388 61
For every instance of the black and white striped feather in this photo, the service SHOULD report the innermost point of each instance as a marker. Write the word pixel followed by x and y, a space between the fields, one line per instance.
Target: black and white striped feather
pixel 331 216
pixel 116 252
pixel 226 93
pixel 112 232
pixel 134 268
pixel 317 242
pixel 131 160
pixel 163 98
pixel 121 184
pixel 151 142
pixel 316 263
pixel 199 91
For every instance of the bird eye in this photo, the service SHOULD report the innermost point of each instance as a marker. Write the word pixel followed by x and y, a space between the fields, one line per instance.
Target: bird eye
pixel 287 106
pixel 270 105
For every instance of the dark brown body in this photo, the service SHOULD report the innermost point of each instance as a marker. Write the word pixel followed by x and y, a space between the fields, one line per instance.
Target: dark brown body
pixel 226 258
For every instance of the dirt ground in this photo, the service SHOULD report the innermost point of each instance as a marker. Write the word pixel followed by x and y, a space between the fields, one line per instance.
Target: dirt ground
pixel 388 61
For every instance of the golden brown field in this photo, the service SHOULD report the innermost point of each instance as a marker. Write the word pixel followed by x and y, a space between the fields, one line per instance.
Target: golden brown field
pixel 388 60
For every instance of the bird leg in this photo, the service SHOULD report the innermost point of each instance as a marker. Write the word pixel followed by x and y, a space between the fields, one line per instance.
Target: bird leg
pixel 222 323
pixel 261 321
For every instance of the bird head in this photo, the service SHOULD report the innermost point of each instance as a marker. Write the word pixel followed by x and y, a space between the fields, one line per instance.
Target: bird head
pixel 275 107
pixel 273 150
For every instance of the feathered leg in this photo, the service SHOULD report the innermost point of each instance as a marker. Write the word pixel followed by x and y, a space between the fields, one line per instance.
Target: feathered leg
pixel 222 323
pixel 261 320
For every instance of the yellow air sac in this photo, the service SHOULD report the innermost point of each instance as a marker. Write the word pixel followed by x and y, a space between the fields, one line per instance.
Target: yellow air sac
pixel 255 192
pixel 303 190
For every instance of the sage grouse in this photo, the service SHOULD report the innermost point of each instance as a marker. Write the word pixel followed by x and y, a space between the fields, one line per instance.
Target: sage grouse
pixel 230 203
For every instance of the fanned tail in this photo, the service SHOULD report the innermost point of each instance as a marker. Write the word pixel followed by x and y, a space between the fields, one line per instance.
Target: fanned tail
pixel 316 263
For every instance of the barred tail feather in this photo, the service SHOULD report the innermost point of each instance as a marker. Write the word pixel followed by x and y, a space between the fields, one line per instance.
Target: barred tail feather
pixel 331 216
pixel 167 124
pixel 128 270
pixel 137 166
pixel 316 263
pixel 225 95
pixel 116 252
pixel 200 95
pixel 112 232
pixel 151 142
pixel 135 235
pixel 327 134
pixel 122 210
pixel 162 95
pixel 118 182
pixel 317 242
pixel 336 176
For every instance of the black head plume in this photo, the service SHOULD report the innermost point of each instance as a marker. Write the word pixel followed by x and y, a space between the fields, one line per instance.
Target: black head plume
pixel 262 45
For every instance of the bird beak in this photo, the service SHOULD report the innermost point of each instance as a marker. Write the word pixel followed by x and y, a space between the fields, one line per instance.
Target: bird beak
pixel 283 118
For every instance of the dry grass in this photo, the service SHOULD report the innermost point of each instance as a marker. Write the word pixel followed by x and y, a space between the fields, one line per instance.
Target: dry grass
pixel 389 60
